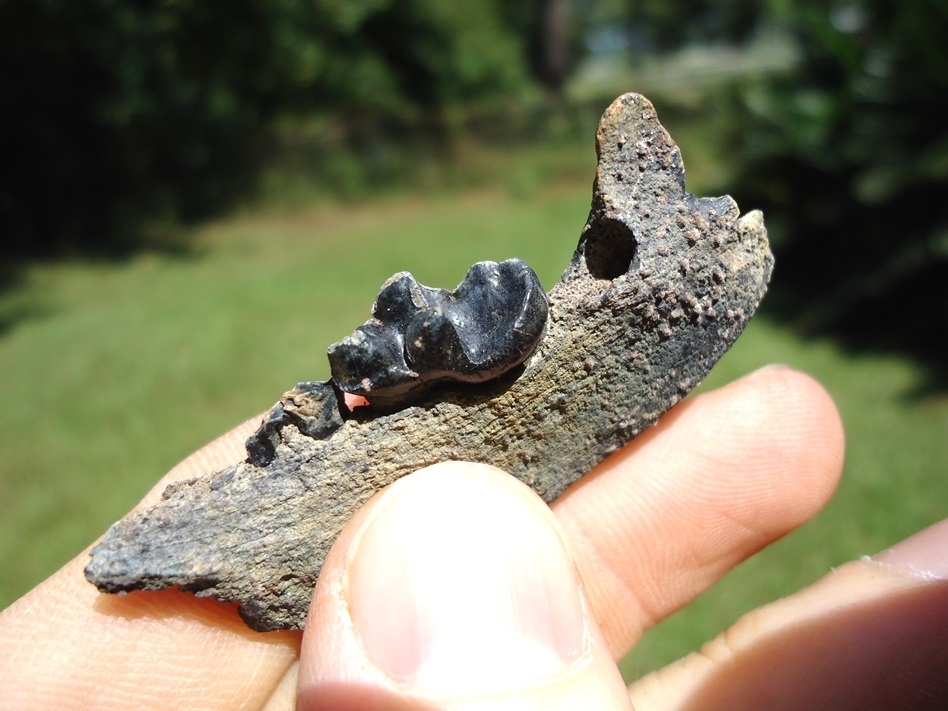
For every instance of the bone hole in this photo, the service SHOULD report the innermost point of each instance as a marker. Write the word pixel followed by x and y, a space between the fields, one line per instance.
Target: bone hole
pixel 609 249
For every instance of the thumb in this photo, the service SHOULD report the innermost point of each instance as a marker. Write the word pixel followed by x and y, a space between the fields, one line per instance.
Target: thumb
pixel 454 589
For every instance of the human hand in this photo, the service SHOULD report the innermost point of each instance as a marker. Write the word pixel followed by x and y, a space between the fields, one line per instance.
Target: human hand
pixel 720 476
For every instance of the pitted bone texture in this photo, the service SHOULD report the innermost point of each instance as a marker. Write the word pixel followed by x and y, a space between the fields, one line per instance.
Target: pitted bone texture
pixel 661 284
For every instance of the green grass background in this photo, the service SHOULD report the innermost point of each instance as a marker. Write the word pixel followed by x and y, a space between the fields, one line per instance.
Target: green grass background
pixel 112 372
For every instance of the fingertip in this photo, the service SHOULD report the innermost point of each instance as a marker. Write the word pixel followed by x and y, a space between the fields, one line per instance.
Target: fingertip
pixel 799 422
pixel 453 589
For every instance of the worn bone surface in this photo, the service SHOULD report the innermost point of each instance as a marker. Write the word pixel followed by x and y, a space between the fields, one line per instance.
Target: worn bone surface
pixel 661 284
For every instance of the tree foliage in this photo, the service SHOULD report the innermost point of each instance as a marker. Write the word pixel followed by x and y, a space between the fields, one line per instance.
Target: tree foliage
pixel 120 114
pixel 659 25
pixel 849 157
pixel 124 115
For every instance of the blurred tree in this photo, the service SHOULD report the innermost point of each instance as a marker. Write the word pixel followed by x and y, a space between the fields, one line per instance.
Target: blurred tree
pixel 662 25
pixel 554 43
pixel 668 25
pixel 125 114
pixel 550 32
pixel 849 158
pixel 115 111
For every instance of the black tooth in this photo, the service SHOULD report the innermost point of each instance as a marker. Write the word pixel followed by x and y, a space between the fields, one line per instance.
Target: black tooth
pixel 421 336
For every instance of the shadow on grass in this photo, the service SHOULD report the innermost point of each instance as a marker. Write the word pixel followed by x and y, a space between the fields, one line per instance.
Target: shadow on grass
pixel 871 274
pixel 12 312
pixel 17 308
pixel 11 317
pixel 907 316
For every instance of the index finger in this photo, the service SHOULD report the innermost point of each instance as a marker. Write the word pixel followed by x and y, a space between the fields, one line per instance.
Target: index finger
pixel 721 476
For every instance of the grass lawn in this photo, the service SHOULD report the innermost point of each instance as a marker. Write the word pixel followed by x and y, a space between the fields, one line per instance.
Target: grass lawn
pixel 110 373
